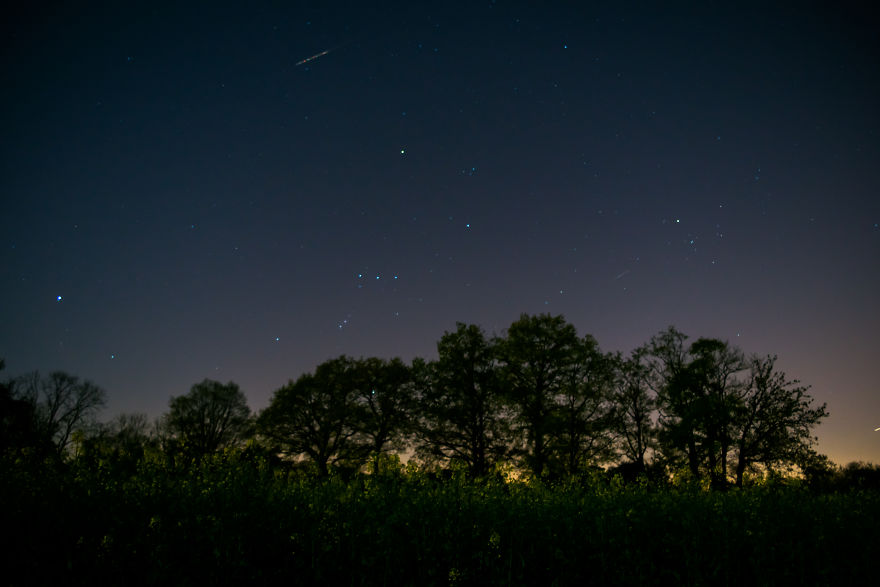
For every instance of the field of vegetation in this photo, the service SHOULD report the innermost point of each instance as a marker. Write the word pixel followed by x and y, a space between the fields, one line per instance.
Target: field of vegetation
pixel 235 519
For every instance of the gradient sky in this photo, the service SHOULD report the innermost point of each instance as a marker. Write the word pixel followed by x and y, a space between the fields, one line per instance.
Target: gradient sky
pixel 181 200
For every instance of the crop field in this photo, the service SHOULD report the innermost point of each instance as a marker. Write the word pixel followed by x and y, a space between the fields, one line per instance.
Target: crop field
pixel 236 522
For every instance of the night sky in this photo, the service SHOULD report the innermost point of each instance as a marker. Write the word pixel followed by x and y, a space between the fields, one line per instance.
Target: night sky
pixel 182 200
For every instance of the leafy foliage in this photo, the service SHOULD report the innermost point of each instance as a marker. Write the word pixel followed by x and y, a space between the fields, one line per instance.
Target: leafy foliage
pixel 236 518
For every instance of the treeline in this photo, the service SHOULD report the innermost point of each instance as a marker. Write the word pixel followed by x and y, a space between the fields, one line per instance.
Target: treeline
pixel 538 400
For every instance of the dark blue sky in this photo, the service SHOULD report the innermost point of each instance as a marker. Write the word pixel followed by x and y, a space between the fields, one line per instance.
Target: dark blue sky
pixel 207 208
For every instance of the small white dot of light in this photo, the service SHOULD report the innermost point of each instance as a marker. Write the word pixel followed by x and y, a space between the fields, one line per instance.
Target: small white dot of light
pixel 58 298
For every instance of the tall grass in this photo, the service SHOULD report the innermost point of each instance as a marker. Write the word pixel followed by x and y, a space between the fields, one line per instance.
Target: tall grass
pixel 230 521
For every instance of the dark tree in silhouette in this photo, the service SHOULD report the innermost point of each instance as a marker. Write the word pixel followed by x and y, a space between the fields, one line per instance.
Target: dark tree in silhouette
pixel 722 419
pixel 18 422
pixel 211 417
pixel 537 357
pixel 666 358
pixel 119 444
pixel 316 416
pixel 462 416
pixel 62 404
pixel 583 435
pixel 775 420
pixel 384 399
pixel 717 392
pixel 634 405
pixel 697 392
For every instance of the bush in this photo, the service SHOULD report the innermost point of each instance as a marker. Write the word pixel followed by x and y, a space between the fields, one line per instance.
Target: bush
pixel 235 518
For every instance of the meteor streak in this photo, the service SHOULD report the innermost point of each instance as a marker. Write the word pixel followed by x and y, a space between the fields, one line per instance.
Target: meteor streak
pixel 312 58
pixel 322 53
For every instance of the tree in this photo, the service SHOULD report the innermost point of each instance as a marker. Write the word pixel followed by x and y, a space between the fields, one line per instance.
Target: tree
pixel 462 412
pixel 698 392
pixel 537 357
pixel 775 420
pixel 634 405
pixel 211 417
pixel 316 416
pixel 61 404
pixel 584 414
pixel 384 403
pixel 18 421
pixel 722 421
pixel 716 391
pixel 120 443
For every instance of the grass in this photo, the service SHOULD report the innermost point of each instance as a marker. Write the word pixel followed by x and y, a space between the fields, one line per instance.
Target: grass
pixel 229 521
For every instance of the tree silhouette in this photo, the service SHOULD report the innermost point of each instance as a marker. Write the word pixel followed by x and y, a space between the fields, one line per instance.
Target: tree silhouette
pixel 537 357
pixel 722 421
pixel 584 412
pixel 775 420
pixel 697 391
pixel 19 428
pixel 316 416
pixel 62 404
pixel 634 405
pixel 212 416
pixel 384 405
pixel 717 392
pixel 462 415
pixel 119 444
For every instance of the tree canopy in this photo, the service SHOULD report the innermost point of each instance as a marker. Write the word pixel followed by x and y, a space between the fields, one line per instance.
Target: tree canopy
pixel 538 397
pixel 212 416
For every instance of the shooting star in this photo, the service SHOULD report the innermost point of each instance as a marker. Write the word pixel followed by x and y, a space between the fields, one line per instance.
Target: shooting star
pixel 312 58
pixel 876 429
pixel 322 53
pixel 622 274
